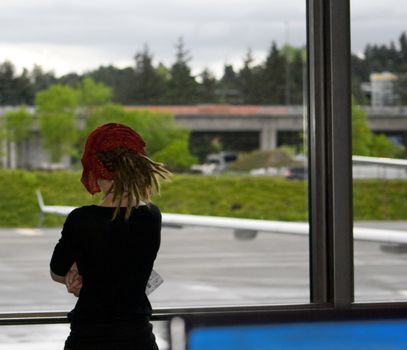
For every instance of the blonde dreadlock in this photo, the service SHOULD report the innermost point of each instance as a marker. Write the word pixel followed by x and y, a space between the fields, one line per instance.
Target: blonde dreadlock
pixel 135 177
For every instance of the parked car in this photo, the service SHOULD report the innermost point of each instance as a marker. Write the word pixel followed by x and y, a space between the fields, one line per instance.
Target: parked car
pixel 215 163
pixel 296 173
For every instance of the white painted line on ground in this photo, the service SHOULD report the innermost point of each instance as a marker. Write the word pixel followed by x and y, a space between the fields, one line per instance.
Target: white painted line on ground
pixel 203 288
pixel 29 231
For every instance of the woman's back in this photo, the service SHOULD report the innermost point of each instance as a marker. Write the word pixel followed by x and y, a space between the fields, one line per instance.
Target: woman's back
pixel 114 258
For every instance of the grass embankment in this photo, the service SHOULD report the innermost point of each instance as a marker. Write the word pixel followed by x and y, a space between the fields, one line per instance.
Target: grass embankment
pixel 237 196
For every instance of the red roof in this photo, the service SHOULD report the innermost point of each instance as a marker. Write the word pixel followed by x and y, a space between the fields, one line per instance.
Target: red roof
pixel 215 109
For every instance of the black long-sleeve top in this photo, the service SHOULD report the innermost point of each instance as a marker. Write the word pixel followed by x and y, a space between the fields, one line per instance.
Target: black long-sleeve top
pixel 115 259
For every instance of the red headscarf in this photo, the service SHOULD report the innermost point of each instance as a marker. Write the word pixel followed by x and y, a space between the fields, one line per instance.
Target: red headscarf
pixel 103 139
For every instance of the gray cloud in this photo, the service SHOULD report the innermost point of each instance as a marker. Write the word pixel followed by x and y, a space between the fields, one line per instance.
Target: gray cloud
pixel 214 30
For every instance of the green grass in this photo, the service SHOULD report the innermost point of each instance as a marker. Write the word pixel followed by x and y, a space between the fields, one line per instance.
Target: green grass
pixel 380 199
pixel 263 159
pixel 236 196
pixel 18 202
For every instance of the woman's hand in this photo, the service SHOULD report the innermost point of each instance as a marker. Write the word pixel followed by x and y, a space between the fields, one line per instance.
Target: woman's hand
pixel 73 280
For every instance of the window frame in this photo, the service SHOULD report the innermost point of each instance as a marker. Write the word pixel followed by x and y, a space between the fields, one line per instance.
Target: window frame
pixel 330 177
pixel 330 152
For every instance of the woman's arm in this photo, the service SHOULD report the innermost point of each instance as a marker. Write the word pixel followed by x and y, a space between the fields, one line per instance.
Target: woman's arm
pixel 72 280
pixel 57 278
pixel 63 268
pixel 63 256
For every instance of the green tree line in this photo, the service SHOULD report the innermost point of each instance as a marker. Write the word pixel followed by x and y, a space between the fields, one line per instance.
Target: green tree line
pixel 65 115
pixel 278 79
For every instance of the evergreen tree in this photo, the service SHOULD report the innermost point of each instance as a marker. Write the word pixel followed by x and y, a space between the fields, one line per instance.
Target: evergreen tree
pixel 41 80
pixel 121 81
pixel 296 76
pixel 70 79
pixel 13 90
pixel 228 86
pixel 149 84
pixel 401 84
pixel 247 80
pixel 6 83
pixel 381 58
pixel 18 89
pixel 359 74
pixel 273 82
pixel 207 87
pixel 24 88
pixel 182 87
pixel 163 72
pixel 403 49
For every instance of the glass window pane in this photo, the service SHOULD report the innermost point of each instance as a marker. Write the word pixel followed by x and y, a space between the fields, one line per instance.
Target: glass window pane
pixel 223 86
pixel 379 120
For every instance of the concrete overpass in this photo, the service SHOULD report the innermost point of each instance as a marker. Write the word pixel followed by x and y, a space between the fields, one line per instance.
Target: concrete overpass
pixel 270 121
pixel 266 125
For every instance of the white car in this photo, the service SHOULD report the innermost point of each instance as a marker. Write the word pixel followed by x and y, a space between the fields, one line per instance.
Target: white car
pixel 215 163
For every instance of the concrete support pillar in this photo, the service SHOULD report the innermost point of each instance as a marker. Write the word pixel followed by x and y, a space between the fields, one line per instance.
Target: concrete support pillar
pixel 268 139
pixel 3 154
pixel 11 155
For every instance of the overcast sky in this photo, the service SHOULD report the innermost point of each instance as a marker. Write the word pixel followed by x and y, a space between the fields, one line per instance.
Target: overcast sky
pixel 78 35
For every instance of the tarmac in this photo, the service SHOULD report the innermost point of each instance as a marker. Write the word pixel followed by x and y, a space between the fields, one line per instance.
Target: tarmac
pixel 200 267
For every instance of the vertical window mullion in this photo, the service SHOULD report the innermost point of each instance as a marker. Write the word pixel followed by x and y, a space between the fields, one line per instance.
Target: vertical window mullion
pixel 330 164
pixel 316 143
pixel 340 135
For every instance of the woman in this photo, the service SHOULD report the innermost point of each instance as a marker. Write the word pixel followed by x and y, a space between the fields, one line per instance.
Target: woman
pixel 106 252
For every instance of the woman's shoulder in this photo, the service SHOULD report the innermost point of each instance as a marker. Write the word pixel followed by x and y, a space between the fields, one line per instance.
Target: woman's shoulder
pixel 79 212
pixel 82 209
pixel 151 209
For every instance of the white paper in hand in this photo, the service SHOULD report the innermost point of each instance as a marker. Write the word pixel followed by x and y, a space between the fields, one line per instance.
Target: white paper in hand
pixel 154 282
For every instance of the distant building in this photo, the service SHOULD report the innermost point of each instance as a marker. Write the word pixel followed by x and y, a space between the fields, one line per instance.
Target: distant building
pixel 381 90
